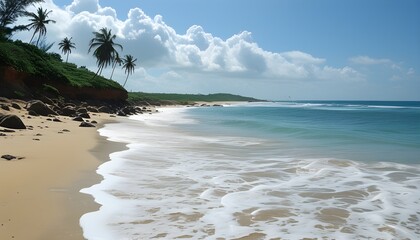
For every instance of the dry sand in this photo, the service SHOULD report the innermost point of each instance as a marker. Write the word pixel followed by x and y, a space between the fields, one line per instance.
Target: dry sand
pixel 39 196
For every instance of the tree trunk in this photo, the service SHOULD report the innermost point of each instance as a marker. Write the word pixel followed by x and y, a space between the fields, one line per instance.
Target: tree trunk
pixel 126 80
pixel 33 35
pixel 67 59
pixel 113 69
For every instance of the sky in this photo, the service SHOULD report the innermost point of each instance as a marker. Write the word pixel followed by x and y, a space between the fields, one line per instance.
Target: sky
pixel 271 49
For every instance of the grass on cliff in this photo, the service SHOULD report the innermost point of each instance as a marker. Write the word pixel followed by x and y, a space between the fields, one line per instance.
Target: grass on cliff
pixel 49 66
pixel 186 98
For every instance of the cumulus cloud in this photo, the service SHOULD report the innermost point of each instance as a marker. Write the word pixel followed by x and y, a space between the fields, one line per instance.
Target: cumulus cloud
pixel 158 45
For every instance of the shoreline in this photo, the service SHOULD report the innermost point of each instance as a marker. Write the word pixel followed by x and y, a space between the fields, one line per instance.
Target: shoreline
pixel 40 196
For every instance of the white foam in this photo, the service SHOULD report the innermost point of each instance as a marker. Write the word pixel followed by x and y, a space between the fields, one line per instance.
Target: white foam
pixel 171 184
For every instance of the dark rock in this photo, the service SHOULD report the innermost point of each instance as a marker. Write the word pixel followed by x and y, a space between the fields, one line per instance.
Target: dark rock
pixel 68 111
pixel 4 107
pixel 104 109
pixel 11 121
pixel 111 115
pixel 66 130
pixel 86 124
pixel 40 108
pixel 94 122
pixel 78 119
pixel 84 115
pixel 2 135
pixel 8 157
pixel 33 113
pixel 56 120
pixel 92 109
pixel 82 110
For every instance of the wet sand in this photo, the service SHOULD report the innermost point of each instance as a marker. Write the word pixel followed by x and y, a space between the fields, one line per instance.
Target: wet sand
pixel 39 197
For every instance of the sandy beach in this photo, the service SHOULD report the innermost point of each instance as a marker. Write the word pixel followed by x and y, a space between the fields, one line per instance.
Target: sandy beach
pixel 39 197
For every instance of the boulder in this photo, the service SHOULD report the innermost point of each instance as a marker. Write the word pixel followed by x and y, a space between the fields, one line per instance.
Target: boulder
pixel 92 109
pixel 84 115
pixel 86 124
pixel 105 109
pixel 68 111
pixel 16 106
pixel 78 119
pixel 4 107
pixel 40 108
pixel 82 110
pixel 11 121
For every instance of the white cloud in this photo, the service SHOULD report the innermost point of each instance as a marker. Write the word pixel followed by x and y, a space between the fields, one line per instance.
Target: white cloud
pixel 78 6
pixel 365 60
pixel 159 46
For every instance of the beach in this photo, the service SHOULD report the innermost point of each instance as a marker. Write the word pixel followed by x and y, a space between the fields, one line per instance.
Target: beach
pixel 39 197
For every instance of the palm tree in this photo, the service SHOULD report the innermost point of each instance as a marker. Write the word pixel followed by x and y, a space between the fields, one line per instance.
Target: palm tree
pixel 38 21
pixel 129 66
pixel 104 46
pixel 66 45
pixel 10 11
pixel 117 61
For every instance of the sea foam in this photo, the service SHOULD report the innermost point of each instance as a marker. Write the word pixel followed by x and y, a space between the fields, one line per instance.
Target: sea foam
pixel 172 183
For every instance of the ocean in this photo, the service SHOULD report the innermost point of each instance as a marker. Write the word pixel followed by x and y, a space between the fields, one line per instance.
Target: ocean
pixel 275 170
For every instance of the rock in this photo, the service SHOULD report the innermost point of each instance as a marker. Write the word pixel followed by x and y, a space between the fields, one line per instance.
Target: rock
pixel 56 120
pixel 78 119
pixel 68 111
pixel 11 121
pixel 40 108
pixel 92 109
pixel 2 135
pixel 66 130
pixel 84 115
pixel 121 113
pixel 82 110
pixel 94 122
pixel 86 124
pixel 4 107
pixel 104 109
pixel 8 157
pixel 33 113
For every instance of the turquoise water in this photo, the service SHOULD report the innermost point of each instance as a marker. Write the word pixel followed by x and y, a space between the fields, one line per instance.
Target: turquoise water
pixel 284 170
pixel 354 130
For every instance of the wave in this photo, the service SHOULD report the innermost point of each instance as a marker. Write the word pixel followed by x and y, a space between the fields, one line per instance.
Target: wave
pixel 175 182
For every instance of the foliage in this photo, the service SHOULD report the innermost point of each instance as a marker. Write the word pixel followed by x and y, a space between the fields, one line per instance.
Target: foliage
pixel 129 66
pixel 39 20
pixel 48 67
pixel 104 45
pixel 185 98
pixel 10 11
pixel 66 45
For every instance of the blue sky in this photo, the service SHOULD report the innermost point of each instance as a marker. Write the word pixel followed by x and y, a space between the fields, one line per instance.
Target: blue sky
pixel 271 49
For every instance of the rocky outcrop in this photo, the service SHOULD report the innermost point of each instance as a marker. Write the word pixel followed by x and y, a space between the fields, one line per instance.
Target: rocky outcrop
pixel 11 121
pixel 40 108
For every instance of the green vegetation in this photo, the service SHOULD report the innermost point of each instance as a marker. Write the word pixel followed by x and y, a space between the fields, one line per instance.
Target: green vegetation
pixel 29 59
pixel 184 99
pixel 10 11
pixel 66 45
pixel 104 46
pixel 129 66
pixel 38 21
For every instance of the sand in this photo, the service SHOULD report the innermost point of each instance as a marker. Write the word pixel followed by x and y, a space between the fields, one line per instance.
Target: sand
pixel 39 196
